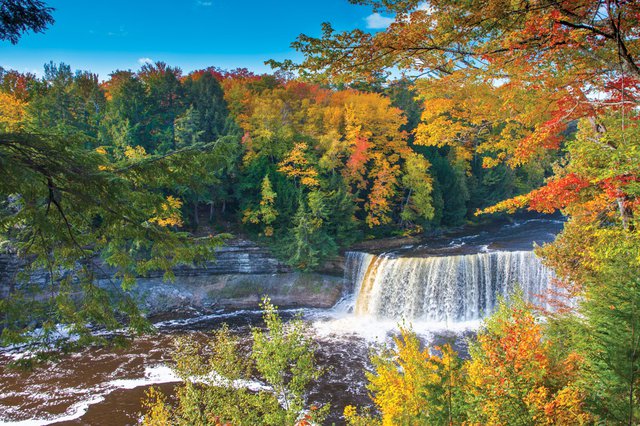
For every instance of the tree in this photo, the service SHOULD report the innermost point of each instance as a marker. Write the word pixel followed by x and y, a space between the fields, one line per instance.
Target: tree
pixel 419 185
pixel 204 93
pixel 165 102
pixel 448 36
pixel 67 101
pixel 285 356
pixel 297 166
pixel 187 129
pixel 308 242
pixel 412 386
pixel 375 147
pixel 450 190
pixel 19 85
pixel 11 112
pixel 20 16
pixel 124 120
pixel 191 131
pixel 214 389
pixel 514 376
pixel 265 213
pixel 610 339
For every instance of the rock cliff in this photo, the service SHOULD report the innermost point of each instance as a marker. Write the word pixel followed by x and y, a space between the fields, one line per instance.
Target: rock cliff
pixel 242 273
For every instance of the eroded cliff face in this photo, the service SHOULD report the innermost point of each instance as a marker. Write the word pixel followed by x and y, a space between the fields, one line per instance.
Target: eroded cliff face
pixel 205 293
pixel 242 273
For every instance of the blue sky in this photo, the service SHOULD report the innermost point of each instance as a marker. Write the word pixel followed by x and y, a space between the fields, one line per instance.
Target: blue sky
pixel 192 34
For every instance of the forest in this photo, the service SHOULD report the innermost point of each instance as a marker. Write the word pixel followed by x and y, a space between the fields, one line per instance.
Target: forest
pixel 283 152
pixel 458 112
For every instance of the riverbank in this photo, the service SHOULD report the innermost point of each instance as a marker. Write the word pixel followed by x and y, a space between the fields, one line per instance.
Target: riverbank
pixel 238 278
pixel 206 293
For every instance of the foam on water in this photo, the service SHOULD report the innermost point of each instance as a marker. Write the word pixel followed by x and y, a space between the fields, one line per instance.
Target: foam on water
pixel 377 330
pixel 153 375
pixel 74 412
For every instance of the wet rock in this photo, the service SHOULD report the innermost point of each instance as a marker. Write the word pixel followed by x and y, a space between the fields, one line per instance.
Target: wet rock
pixel 383 244
pixel 241 274
pixel 238 291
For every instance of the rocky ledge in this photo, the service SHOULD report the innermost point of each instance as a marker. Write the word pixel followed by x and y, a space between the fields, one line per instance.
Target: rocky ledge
pixel 237 291
pixel 242 273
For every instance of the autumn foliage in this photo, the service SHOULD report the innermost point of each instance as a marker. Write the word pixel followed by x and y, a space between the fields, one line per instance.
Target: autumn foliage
pixel 513 374
pixel 513 377
pixel 516 82
pixel 310 132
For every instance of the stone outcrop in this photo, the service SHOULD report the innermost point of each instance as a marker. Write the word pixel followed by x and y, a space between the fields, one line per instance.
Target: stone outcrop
pixel 236 257
pixel 237 291
pixel 242 273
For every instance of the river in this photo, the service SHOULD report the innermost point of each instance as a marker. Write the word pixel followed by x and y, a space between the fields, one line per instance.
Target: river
pixel 443 286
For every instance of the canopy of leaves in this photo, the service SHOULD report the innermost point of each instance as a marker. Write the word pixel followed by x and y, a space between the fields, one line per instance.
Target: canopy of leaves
pixel 20 16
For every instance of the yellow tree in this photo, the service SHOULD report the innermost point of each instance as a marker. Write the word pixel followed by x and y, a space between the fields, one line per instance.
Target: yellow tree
pixel 412 386
pixel 297 166
pixel 266 212
pixel 374 150
pixel 12 112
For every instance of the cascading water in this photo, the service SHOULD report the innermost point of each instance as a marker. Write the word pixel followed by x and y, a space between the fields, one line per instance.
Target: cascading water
pixel 442 289
pixel 356 265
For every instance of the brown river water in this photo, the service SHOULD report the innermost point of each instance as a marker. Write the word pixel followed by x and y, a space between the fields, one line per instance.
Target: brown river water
pixel 105 386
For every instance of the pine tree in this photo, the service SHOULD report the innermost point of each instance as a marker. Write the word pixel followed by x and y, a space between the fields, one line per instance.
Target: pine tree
pixel 308 242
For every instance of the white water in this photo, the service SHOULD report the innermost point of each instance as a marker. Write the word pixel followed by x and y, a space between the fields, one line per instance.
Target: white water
pixel 153 375
pixel 442 290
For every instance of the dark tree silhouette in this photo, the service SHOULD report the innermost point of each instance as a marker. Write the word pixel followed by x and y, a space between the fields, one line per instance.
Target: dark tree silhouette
pixel 19 16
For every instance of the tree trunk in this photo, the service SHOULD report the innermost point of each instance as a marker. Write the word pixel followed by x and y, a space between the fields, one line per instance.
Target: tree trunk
pixel 625 214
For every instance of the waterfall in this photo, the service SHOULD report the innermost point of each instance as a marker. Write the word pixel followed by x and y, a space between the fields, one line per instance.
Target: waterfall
pixel 448 288
pixel 356 265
